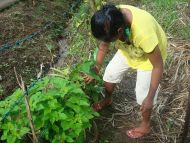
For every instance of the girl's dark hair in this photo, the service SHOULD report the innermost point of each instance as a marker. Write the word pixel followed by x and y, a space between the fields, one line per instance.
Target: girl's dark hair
pixel 105 23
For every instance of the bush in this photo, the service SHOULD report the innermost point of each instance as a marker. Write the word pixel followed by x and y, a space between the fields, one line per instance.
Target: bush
pixel 60 108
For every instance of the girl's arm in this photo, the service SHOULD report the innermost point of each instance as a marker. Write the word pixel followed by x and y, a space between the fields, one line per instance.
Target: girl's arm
pixel 103 50
pixel 157 62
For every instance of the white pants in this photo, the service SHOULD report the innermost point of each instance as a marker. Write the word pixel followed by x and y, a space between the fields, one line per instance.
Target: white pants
pixel 115 71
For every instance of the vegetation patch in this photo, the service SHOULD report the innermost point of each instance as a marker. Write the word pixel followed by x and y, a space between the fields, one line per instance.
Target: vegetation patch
pixel 59 105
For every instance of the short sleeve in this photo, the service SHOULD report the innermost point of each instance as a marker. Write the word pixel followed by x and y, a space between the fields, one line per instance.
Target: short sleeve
pixel 149 42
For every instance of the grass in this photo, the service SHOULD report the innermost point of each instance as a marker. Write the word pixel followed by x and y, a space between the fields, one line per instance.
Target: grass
pixel 186 32
pixel 171 15
pixel 81 42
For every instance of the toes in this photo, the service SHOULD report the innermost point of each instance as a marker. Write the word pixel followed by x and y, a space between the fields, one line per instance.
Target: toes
pixel 96 107
pixel 135 134
pixel 129 133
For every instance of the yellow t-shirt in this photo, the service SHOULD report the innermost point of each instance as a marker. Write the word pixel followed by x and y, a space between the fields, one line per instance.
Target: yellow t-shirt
pixel 146 34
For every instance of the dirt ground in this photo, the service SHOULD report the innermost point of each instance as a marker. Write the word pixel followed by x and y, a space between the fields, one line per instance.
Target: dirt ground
pixel 124 114
pixel 19 21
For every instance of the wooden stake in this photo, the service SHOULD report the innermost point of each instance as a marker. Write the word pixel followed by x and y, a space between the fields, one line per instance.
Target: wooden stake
pixel 22 86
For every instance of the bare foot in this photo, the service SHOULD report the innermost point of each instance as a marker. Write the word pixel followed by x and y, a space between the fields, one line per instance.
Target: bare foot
pixel 101 104
pixel 140 131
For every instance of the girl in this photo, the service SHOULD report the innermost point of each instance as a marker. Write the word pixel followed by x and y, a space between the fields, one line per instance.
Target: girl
pixel 141 44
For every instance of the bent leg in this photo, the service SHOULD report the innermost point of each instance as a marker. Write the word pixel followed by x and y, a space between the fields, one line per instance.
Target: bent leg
pixel 142 89
pixel 113 74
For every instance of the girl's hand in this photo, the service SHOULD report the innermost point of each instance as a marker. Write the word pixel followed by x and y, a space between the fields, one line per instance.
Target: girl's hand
pixel 88 79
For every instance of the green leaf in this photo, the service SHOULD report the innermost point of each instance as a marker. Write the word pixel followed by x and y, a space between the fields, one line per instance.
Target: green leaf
pixel 86 125
pixel 66 125
pixel 77 128
pixel 69 139
pixel 40 107
pixel 55 140
pixel 47 111
pixel 11 139
pixel 39 123
pixel 74 99
pixel 53 104
pixel 59 82
pixel 80 138
pixel 52 118
pixel 38 86
pixel 23 131
pixel 62 116
pixel 55 128
pixel 83 102
pixel 10 125
pixel 86 66
pixel 96 114
pixel 4 136
pixel 75 107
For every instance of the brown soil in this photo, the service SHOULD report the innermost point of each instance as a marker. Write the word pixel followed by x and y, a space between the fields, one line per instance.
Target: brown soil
pixel 123 114
pixel 20 20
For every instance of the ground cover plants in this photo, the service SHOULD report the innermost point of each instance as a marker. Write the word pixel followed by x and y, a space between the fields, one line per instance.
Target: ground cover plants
pixel 59 104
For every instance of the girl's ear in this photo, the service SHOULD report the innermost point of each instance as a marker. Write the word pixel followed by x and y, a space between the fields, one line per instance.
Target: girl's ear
pixel 120 31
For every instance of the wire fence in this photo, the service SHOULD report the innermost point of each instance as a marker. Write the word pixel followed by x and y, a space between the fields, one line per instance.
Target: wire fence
pixel 12 45
pixel 18 101
pixel 7 46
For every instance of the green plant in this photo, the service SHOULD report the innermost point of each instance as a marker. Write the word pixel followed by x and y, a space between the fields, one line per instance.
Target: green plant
pixel 95 88
pixel 186 31
pixel 81 42
pixel 167 14
pixel 60 107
